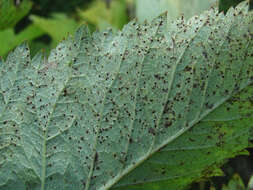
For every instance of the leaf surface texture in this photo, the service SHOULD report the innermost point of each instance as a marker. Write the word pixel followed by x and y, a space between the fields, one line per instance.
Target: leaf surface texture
pixel 102 104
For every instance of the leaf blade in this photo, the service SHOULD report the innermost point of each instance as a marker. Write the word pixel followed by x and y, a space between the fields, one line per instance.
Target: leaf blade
pixel 72 111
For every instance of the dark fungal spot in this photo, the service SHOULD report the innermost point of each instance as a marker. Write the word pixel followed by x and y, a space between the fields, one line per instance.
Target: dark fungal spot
pixel 195 85
pixel 187 68
pixel 204 53
pixel 83 182
pixel 96 157
pixel 209 137
pixel 191 139
pixel 151 131
pixel 208 106
pixel 168 124
pixel 157 76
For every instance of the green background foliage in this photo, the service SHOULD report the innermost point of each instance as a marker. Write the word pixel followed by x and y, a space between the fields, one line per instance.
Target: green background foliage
pixel 11 12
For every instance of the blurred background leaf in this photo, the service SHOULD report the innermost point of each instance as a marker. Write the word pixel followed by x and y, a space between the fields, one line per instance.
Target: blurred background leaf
pixel 104 14
pixel 149 9
pixel 57 27
pixel 12 11
pixel 250 185
pixel 235 183
pixel 10 40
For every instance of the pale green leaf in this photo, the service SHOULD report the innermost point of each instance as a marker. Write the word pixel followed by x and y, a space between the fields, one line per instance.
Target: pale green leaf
pixel 250 185
pixel 155 100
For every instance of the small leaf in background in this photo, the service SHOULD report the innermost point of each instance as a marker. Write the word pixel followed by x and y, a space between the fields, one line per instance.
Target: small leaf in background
pixel 149 9
pixel 11 13
pixel 10 40
pixel 104 15
pixel 235 183
pixel 58 27
pixel 250 185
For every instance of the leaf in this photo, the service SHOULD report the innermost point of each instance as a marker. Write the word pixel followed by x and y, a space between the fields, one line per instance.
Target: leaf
pixel 103 17
pixel 235 183
pixel 58 27
pixel 149 9
pixel 250 185
pixel 10 13
pixel 10 40
pixel 104 104
pixel 199 152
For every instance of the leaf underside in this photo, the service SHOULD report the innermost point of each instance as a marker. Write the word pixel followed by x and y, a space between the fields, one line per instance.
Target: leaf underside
pixel 103 104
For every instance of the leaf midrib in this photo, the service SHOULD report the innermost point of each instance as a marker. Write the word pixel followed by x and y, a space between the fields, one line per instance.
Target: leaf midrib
pixel 45 139
pixel 122 173
pixel 183 149
pixel 99 126
pixel 183 130
pixel 150 153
